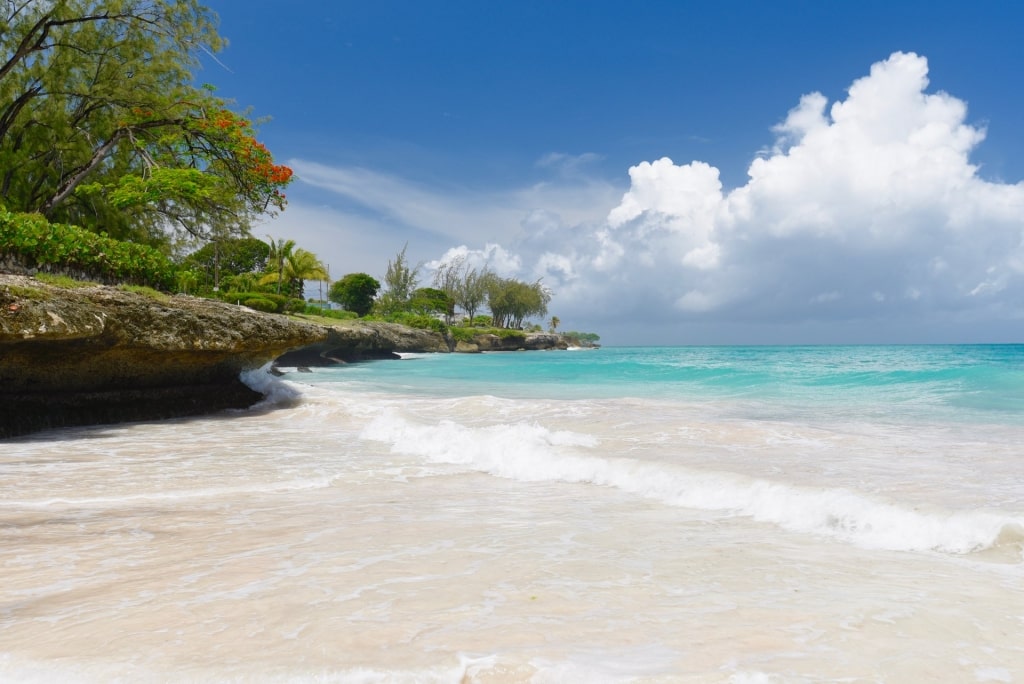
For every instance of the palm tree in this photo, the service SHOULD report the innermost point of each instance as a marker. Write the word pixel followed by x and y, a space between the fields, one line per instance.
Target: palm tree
pixel 554 323
pixel 280 251
pixel 295 268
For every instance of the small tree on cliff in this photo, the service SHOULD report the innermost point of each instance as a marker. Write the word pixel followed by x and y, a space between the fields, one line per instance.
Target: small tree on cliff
pixel 355 292
pixel 400 281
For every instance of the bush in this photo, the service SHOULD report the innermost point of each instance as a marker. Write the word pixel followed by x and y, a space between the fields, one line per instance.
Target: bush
pixel 508 333
pixel 421 321
pixel 460 334
pixel 261 304
pixel 37 243
pixel 279 301
pixel 295 305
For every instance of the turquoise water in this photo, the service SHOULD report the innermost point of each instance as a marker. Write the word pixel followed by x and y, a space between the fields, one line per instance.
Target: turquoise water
pixel 963 383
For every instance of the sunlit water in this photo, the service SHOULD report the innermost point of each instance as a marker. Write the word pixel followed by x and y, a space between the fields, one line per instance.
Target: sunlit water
pixel 653 515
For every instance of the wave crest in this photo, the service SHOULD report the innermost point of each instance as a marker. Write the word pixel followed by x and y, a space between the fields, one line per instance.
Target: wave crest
pixel 529 452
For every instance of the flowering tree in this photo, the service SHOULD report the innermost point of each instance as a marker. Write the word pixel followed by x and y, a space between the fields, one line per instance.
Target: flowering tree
pixel 101 124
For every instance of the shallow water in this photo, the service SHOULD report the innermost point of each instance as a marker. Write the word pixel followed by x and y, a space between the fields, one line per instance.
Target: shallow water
pixel 662 515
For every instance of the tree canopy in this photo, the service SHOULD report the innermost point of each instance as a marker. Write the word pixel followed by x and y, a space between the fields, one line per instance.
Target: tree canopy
pixel 101 124
pixel 355 292
pixel 400 281
pixel 512 301
pixel 289 268
pixel 231 257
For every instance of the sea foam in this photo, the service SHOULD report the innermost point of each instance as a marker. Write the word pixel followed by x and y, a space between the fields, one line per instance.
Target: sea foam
pixel 529 452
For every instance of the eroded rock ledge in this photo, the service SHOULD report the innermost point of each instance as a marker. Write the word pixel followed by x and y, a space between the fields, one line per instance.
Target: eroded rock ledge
pixel 100 354
pixel 97 354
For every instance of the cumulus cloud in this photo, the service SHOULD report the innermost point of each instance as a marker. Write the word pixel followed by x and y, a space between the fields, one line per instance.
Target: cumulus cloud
pixel 867 209
pixel 864 213
pixel 492 257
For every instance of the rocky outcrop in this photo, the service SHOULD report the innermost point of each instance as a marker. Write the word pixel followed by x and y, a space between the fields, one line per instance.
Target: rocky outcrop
pixel 99 354
pixel 517 342
pixel 349 341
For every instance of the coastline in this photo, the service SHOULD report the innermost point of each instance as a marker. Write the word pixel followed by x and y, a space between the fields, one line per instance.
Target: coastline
pixel 97 354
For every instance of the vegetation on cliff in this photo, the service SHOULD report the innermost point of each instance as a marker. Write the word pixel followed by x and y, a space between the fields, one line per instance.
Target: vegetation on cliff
pixel 36 243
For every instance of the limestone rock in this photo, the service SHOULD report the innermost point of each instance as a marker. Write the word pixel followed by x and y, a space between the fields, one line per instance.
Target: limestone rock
pixel 71 356
pixel 357 340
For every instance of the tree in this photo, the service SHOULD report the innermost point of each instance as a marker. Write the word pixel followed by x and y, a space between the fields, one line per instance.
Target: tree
pixel 400 278
pixel 512 301
pixel 355 292
pixel 102 125
pixel 447 278
pixel 555 321
pixel 279 252
pixel 430 300
pixel 222 259
pixel 472 290
pixel 294 269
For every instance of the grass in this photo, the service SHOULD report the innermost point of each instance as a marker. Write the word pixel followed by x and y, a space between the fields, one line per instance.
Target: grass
pixel 27 292
pixel 321 320
pixel 67 282
pixel 145 291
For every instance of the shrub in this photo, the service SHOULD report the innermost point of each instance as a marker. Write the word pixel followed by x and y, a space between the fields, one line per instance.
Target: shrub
pixel 508 333
pixel 261 304
pixel 461 334
pixel 279 301
pixel 421 321
pixel 54 247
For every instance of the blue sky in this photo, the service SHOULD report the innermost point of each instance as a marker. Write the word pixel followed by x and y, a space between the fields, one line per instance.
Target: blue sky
pixel 677 172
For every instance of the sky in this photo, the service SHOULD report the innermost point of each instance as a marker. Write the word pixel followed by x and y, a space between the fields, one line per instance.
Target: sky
pixel 726 172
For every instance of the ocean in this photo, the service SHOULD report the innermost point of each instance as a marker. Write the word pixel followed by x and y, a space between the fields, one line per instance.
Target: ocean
pixel 677 514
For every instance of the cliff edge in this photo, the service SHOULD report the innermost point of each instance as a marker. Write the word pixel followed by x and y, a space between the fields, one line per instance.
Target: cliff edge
pixel 97 354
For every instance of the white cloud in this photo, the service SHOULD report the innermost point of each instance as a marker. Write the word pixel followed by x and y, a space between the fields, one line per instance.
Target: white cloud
pixel 364 217
pixel 493 257
pixel 866 210
pixel 863 216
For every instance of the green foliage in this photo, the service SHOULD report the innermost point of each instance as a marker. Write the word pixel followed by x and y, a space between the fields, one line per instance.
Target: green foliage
pixel 461 334
pixel 35 241
pixel 413 320
pixel 231 257
pixel 289 268
pixel 481 322
pixel 144 291
pixel 400 280
pixel 428 300
pixel 261 304
pixel 581 339
pixel 313 310
pixel 512 301
pixel 280 302
pixel 509 334
pixel 355 292
pixel 103 126
pixel 64 281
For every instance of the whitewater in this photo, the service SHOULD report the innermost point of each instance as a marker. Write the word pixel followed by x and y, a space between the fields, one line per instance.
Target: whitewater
pixel 675 514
